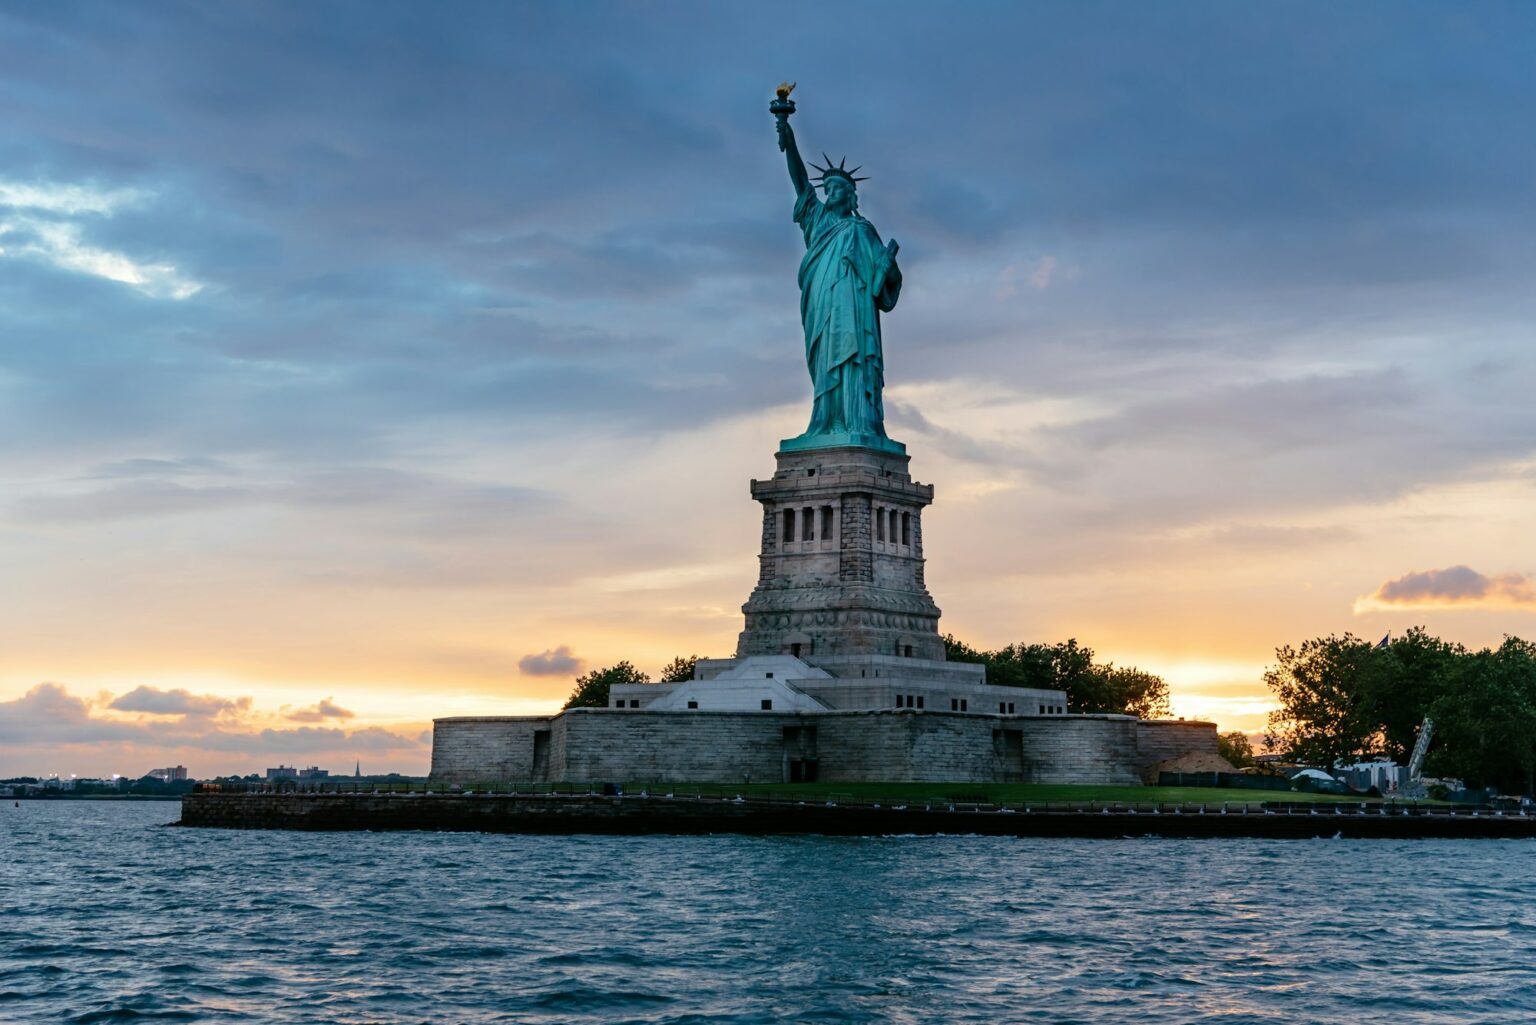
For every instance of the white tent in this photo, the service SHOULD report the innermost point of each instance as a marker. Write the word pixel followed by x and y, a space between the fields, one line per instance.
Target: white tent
pixel 1312 774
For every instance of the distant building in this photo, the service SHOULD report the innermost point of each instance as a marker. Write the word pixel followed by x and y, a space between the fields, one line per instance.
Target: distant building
pixel 314 772
pixel 283 772
pixel 1382 774
pixel 172 774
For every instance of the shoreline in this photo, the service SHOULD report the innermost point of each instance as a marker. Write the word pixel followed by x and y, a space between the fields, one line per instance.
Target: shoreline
pixel 593 814
pixel 93 797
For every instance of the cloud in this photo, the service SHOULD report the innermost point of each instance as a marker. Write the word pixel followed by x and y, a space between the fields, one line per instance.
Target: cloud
pixel 325 709
pixel 48 718
pixel 316 739
pixel 559 661
pixel 49 714
pixel 54 198
pixel 151 467
pixel 1006 282
pixel 955 444
pixel 1456 587
pixel 1266 306
pixel 62 245
pixel 148 488
pixel 1040 277
pixel 131 498
pixel 176 702
pixel 46 701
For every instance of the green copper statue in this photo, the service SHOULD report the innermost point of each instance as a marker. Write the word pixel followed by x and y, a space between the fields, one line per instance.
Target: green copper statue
pixel 848 277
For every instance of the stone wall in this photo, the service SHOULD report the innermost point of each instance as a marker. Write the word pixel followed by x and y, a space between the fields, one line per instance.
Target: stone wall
pixel 696 746
pixel 864 746
pixel 950 747
pixel 633 814
pixel 597 744
pixel 1080 749
pixel 472 749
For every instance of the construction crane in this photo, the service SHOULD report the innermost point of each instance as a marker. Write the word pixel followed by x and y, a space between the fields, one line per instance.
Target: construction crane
pixel 1412 787
pixel 1420 749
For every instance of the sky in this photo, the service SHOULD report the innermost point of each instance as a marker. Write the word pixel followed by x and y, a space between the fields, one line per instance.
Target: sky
pixel 362 363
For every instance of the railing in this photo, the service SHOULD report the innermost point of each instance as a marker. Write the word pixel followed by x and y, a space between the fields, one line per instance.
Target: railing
pixel 667 792
pixel 347 786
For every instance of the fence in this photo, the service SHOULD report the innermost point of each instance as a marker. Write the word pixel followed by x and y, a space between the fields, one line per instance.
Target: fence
pixel 955 802
pixel 1222 780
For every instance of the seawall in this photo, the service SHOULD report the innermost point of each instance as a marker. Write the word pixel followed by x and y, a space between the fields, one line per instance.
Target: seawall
pixel 633 815
pixel 844 746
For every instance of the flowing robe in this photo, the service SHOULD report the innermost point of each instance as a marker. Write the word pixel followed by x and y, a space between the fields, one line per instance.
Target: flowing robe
pixel 841 316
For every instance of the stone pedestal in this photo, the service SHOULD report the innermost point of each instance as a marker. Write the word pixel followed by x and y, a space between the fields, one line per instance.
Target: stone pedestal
pixel 841 567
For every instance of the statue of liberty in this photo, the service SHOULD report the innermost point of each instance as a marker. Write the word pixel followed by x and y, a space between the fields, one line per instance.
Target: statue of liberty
pixel 847 278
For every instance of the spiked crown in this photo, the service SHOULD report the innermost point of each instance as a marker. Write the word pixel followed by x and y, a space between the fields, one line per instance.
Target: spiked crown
pixel 840 171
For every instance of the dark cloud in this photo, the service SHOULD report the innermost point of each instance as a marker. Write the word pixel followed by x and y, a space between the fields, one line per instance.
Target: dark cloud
pixel 46 701
pixel 130 499
pixel 317 739
pixel 1189 448
pixel 1289 271
pixel 195 466
pixel 176 702
pixel 559 661
pixel 423 499
pixel 906 416
pixel 360 215
pixel 1457 585
pixel 319 712
pixel 1265 418
pixel 959 214
pixel 406 245
pixel 49 715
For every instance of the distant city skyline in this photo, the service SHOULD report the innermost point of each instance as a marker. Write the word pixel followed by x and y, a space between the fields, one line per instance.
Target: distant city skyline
pixel 360 365
pixel 181 772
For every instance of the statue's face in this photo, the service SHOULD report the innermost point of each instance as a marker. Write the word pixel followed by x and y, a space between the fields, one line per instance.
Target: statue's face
pixel 841 197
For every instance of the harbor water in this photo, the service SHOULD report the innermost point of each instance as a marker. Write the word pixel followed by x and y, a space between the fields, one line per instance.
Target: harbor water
pixel 106 916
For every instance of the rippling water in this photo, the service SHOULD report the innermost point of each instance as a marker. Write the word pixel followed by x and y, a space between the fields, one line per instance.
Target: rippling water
pixel 105 917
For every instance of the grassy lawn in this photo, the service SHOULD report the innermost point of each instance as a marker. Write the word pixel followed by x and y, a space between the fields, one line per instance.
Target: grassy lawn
pixel 993 793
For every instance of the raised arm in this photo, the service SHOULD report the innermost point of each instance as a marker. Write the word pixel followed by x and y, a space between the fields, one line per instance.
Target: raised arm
pixel 797 172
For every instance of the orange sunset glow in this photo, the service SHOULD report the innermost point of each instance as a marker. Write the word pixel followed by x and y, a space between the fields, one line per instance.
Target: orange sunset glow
pixel 319 420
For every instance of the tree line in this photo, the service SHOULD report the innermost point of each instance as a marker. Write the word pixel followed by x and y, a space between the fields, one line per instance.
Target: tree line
pixel 1090 686
pixel 1344 699
pixel 592 688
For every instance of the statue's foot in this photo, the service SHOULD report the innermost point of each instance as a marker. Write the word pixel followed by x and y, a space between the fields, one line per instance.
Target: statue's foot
pixel 842 439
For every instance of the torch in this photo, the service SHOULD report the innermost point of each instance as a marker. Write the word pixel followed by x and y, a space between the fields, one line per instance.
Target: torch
pixel 781 107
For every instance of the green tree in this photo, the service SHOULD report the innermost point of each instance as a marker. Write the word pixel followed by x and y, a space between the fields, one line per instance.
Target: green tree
pixel 1132 691
pixel 956 650
pixel 1236 749
pixel 1418 670
pixel 1326 714
pixel 1068 666
pixel 592 688
pixel 680 669
pixel 1088 686
pixel 1044 666
pixel 1485 723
